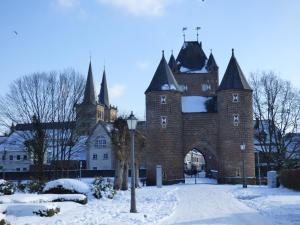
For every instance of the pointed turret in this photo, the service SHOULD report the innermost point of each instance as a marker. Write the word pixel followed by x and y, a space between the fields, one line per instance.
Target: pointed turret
pixel 103 96
pixel 163 78
pixel 191 57
pixel 89 92
pixel 234 77
pixel 172 64
pixel 211 63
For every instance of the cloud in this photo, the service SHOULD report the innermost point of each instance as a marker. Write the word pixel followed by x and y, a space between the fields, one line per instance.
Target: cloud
pixel 142 65
pixel 139 7
pixel 67 4
pixel 117 90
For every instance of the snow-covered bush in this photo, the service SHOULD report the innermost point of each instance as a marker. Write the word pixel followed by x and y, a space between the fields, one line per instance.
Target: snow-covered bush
pixel 6 187
pixel 78 198
pixel 47 212
pixel 35 186
pixel 21 187
pixel 102 188
pixel 66 186
pixel 4 222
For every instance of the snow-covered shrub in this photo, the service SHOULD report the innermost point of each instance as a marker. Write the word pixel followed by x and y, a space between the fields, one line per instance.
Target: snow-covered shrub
pixel 6 187
pixel 35 186
pixel 79 198
pixel 102 188
pixel 4 222
pixel 47 212
pixel 66 186
pixel 21 187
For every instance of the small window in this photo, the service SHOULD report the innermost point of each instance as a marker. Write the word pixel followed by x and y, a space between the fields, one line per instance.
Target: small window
pixel 184 87
pixel 11 157
pixel 18 157
pixel 100 142
pixel 94 156
pixel 18 169
pixel 206 87
pixel 235 97
pixel 163 99
pixel 236 119
pixel 24 157
pixel 163 121
pixel 94 168
pixel 105 156
pixel 24 169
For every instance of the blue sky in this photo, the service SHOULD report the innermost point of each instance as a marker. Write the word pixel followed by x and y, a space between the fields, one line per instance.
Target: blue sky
pixel 128 35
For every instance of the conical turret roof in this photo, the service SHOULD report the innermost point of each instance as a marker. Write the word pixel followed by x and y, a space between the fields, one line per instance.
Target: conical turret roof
pixel 234 77
pixel 211 62
pixel 89 92
pixel 172 64
pixel 103 95
pixel 163 78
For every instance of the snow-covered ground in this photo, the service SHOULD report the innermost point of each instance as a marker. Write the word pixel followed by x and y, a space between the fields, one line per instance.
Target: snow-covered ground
pixel 203 203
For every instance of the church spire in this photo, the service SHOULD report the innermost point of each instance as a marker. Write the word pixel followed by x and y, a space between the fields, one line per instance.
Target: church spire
pixel 103 95
pixel 89 92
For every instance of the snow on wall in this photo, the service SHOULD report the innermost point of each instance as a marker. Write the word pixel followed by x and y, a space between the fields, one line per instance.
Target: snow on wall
pixel 194 104
pixel 187 70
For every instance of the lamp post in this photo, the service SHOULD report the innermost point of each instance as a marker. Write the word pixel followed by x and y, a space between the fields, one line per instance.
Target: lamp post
pixel 132 122
pixel 243 149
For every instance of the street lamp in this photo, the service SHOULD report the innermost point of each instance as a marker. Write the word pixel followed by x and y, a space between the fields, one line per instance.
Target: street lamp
pixel 132 122
pixel 243 149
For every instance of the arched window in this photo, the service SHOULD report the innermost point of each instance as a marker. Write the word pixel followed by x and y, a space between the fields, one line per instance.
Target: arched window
pixel 100 142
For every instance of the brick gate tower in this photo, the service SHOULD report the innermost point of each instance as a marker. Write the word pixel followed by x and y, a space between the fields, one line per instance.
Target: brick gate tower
pixel 187 109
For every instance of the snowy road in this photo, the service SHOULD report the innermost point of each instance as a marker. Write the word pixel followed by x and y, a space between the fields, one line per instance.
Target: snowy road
pixel 213 204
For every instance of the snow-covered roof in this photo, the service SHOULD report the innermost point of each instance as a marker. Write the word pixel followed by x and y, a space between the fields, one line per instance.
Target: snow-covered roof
pixel 187 70
pixel 192 104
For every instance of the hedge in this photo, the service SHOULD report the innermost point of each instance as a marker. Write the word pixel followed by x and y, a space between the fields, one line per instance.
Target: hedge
pixel 290 178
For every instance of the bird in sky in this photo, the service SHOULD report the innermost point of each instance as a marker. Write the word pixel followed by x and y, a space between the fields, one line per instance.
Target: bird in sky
pixel 15 32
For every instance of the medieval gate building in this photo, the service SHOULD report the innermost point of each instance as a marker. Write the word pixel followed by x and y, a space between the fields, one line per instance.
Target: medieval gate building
pixel 187 109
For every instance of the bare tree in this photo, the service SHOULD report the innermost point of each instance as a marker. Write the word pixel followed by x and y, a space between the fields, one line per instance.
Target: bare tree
pixel 277 113
pixel 51 98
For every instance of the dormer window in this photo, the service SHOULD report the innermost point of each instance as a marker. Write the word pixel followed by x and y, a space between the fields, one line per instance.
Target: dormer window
pixel 163 122
pixel 163 99
pixel 206 87
pixel 236 119
pixel 235 97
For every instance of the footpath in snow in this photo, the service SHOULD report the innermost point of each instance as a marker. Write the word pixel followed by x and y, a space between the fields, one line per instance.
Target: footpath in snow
pixel 182 204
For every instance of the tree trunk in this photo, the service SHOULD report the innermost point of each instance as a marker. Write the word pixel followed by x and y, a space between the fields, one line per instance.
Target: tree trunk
pixel 125 177
pixel 118 174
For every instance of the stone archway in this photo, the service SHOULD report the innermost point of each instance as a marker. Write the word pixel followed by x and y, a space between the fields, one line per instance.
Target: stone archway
pixel 209 154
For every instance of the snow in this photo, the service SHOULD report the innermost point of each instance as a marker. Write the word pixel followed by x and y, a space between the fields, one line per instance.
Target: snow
pixel 203 203
pixel 194 104
pixel 187 70
pixel 166 87
pixel 21 210
pixel 2 181
pixel 38 198
pixel 69 184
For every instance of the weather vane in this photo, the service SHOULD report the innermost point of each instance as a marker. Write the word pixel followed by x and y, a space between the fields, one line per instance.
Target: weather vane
pixel 197 29
pixel 183 31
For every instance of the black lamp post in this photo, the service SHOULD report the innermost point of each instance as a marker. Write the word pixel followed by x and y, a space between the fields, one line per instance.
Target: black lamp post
pixel 243 149
pixel 132 122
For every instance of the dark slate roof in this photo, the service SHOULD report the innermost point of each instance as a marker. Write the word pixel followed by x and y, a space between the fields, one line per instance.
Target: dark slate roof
pixel 234 77
pixel 163 77
pixel 172 64
pixel 103 96
pixel 191 56
pixel 211 63
pixel 89 92
pixel 51 125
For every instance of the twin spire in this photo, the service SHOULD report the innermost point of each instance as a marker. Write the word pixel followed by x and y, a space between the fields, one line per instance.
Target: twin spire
pixel 89 92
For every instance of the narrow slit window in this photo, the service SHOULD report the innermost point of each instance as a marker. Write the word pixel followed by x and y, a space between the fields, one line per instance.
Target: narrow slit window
pixel 163 121
pixel 236 119
pixel 235 97
pixel 163 99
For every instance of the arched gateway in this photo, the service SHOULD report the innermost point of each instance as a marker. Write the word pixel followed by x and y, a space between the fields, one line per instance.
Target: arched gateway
pixel 186 109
